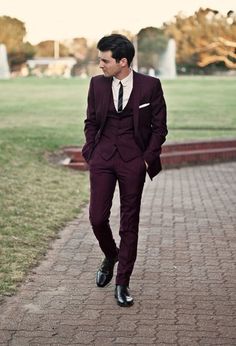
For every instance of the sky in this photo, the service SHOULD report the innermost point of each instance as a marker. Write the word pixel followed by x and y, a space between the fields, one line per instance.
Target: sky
pixel 66 19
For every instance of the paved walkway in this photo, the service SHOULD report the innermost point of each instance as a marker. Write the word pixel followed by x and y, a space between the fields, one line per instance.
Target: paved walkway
pixel 184 282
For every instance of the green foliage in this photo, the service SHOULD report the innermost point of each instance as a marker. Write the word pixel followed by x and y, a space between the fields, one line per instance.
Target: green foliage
pixel 151 42
pixel 29 50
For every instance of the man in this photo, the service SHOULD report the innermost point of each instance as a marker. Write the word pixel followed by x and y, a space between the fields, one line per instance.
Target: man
pixel 124 129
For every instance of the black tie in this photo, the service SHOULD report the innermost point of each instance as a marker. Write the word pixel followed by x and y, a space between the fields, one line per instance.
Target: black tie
pixel 120 98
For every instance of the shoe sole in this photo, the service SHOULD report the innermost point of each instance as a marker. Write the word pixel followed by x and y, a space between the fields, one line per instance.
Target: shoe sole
pixel 124 305
pixel 101 286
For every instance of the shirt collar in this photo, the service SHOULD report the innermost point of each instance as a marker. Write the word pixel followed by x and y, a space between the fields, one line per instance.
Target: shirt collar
pixel 125 81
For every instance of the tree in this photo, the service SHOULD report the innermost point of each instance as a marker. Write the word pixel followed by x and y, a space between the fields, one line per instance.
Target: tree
pixel 12 33
pixel 29 50
pixel 46 49
pixel 151 43
pixel 79 49
pixel 16 59
pixel 206 37
pixel 223 46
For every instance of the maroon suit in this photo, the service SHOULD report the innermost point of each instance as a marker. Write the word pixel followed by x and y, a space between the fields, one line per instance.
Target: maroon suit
pixel 117 144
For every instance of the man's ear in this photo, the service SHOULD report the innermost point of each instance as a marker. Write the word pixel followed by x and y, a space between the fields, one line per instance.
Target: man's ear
pixel 123 62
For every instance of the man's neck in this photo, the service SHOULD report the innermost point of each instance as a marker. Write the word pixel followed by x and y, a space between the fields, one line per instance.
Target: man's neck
pixel 123 74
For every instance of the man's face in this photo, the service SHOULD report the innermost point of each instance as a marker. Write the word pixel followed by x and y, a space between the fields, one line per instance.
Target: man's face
pixel 109 65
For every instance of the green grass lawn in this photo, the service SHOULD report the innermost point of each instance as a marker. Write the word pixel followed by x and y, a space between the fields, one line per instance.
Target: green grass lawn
pixel 39 116
pixel 201 108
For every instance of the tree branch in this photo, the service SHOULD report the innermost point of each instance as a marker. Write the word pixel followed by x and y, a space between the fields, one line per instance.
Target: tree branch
pixel 215 58
pixel 227 42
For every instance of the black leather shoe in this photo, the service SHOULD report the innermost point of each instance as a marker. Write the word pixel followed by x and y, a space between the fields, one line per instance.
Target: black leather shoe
pixel 123 296
pixel 105 272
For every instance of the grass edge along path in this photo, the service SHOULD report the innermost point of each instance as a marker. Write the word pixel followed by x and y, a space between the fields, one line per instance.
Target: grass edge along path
pixel 38 203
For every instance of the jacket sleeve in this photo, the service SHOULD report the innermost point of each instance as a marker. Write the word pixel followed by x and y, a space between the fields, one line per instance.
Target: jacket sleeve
pixel 158 124
pixel 90 124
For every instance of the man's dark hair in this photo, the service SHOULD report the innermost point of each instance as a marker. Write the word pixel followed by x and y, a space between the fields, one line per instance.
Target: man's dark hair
pixel 119 45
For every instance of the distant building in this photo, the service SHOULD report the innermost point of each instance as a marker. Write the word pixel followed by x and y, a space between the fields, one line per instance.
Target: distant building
pixel 51 67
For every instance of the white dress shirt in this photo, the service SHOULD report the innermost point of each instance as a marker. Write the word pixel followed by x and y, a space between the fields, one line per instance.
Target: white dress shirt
pixel 127 83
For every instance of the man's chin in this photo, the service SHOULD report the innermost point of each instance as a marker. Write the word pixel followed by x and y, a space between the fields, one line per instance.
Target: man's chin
pixel 106 74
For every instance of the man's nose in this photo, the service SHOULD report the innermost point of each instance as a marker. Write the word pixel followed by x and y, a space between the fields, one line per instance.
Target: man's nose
pixel 101 64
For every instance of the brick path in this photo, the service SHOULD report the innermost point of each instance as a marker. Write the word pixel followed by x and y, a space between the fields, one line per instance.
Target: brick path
pixel 184 282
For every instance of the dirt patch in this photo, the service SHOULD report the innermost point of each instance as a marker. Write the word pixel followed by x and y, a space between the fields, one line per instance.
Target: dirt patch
pixel 57 157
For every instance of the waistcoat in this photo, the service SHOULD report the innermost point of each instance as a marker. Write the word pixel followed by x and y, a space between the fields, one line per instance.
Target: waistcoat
pixel 118 134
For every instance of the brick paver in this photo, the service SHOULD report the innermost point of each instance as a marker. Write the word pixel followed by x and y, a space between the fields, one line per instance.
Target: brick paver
pixel 184 282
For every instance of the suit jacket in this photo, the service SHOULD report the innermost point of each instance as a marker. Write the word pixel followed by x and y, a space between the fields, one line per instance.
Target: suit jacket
pixel 149 116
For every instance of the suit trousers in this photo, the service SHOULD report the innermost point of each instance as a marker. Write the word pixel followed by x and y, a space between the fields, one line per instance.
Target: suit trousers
pixel 104 174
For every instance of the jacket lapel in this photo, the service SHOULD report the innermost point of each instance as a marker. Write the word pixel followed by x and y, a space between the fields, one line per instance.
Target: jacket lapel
pixel 136 99
pixel 106 98
pixel 104 94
